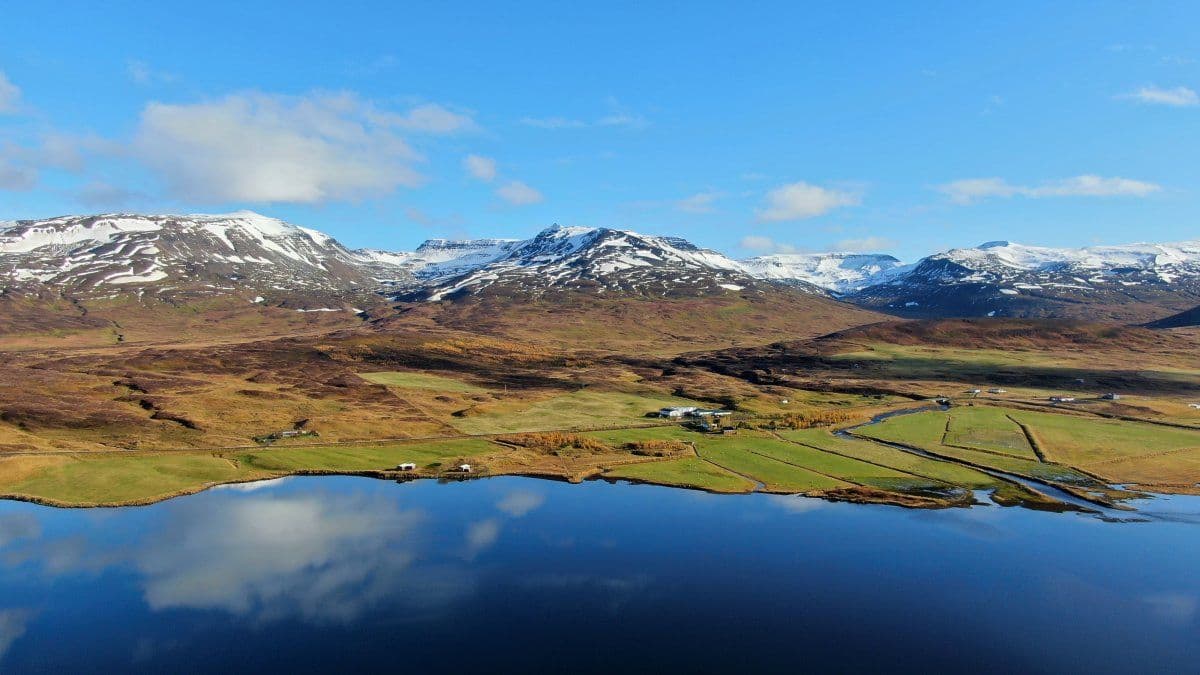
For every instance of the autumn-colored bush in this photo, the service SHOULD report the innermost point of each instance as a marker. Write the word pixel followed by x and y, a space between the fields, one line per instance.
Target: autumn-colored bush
pixel 805 420
pixel 552 442
pixel 656 448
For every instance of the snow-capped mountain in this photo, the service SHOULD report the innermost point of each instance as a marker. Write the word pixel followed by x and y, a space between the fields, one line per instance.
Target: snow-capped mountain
pixel 1005 279
pixel 598 260
pixel 109 254
pixel 838 272
pixel 442 258
pixel 265 259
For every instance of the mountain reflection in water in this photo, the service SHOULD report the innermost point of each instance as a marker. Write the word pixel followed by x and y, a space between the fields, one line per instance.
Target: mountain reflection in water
pixel 516 574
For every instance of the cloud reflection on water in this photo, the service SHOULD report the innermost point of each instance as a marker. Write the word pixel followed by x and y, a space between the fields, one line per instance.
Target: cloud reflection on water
pixel 320 557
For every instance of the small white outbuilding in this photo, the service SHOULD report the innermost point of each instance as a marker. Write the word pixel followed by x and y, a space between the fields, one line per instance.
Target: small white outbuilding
pixel 406 466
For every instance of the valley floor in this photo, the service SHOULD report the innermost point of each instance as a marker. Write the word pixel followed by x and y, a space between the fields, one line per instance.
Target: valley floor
pixel 847 417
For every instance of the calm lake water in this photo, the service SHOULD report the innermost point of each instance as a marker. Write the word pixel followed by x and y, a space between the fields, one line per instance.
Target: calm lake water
pixel 510 574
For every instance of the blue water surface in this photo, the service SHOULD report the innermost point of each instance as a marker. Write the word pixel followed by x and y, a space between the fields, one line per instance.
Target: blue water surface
pixel 514 574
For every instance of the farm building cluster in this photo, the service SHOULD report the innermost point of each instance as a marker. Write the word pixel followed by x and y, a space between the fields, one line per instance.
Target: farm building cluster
pixel 679 412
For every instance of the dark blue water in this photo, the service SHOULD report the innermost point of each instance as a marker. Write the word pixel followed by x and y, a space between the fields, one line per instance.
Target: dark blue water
pixel 319 574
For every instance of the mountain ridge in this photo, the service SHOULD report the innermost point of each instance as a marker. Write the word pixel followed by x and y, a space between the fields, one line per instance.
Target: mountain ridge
pixel 109 254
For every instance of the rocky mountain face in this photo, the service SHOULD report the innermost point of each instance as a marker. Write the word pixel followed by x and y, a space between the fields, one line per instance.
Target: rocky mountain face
pixel 1134 282
pixel 110 255
pixel 840 273
pixel 267 260
pixel 598 260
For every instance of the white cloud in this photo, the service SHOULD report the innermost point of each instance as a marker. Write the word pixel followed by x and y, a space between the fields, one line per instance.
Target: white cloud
pixel 553 123
pixel 864 245
pixel 970 190
pixel 520 502
pixel 16 176
pixel 698 203
pixel 433 119
pixel 1095 186
pixel 623 119
pixel 481 535
pixel 270 148
pixel 141 73
pixel 1178 96
pixel 270 557
pixel 519 194
pixel 482 168
pixel 618 115
pixel 10 94
pixel 12 627
pixel 800 200
pixel 765 245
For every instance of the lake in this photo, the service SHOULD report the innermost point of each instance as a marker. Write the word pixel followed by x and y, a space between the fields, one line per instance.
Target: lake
pixel 513 574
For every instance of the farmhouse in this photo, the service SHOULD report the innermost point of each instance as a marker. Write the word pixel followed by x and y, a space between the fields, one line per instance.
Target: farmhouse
pixel 704 412
pixel 1062 399
pixel 464 468
pixel 677 411
pixel 997 390
pixel 1111 397
pixel 406 466
pixel 1194 405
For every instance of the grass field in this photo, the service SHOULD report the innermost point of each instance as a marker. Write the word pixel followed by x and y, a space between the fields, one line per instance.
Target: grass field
pixel 1178 470
pixel 1082 441
pixel 116 480
pixel 582 409
pixel 838 466
pixel 738 455
pixel 897 459
pixel 926 430
pixel 362 458
pixel 923 430
pixel 409 380
pixel 988 428
pixel 687 472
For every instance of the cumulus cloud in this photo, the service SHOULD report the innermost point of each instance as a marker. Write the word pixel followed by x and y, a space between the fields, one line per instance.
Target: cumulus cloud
pixel 519 194
pixel 10 94
pixel 481 168
pixel 970 190
pixel 269 148
pixel 21 165
pixel 797 201
pixel 1177 96
pixel 431 118
pixel 698 203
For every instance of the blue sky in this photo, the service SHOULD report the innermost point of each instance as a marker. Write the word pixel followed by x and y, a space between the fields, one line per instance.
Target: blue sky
pixel 898 127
